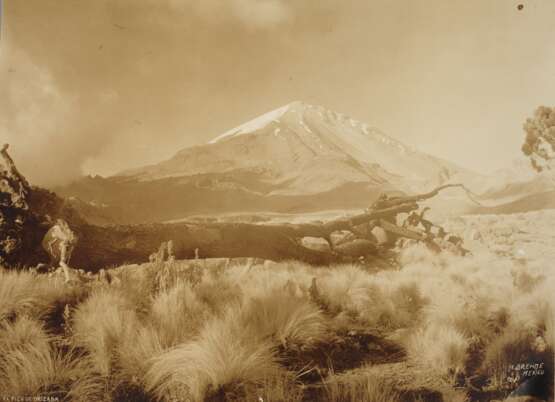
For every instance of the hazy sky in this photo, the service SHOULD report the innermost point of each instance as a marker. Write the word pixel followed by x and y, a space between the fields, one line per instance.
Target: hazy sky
pixel 100 86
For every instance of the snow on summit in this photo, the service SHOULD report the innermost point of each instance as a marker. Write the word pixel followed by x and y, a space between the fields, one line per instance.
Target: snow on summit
pixel 302 111
pixel 255 124
pixel 303 148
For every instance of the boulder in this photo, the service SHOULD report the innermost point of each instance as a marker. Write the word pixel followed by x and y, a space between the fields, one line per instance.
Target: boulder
pixel 380 234
pixel 316 244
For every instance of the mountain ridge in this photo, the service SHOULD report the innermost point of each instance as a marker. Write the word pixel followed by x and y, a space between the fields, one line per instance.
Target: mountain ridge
pixel 293 158
pixel 285 142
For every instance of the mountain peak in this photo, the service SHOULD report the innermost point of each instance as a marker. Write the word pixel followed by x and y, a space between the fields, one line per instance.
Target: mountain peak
pixel 300 147
pixel 258 122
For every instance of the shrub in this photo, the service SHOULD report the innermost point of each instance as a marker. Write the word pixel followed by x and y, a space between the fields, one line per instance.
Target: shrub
pixel 134 357
pixel 36 295
pixel 440 347
pixel 351 290
pixel 515 345
pixel 178 314
pixel 220 361
pixel 23 332
pixel 218 292
pixel 17 293
pixel 31 365
pixel 101 324
pixel 284 320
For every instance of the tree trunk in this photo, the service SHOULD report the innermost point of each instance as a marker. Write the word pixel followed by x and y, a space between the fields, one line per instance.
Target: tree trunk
pixel 101 247
pixel 104 247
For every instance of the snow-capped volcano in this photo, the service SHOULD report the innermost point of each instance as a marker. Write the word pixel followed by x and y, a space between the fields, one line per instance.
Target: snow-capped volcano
pixel 297 157
pixel 301 148
pixel 255 124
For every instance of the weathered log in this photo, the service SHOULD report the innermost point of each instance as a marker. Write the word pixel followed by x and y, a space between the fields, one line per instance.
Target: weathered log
pixel 101 247
pixel 398 231
pixel 325 229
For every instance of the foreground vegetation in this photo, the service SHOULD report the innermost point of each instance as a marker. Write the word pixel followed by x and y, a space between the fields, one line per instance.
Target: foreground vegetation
pixel 440 328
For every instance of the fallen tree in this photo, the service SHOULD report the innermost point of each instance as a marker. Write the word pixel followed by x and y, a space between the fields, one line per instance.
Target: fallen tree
pixel 109 246
pixel 101 247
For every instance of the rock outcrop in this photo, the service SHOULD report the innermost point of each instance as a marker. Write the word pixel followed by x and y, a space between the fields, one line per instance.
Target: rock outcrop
pixel 14 210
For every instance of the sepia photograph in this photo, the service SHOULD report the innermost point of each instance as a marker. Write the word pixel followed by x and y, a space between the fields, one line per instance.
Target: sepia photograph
pixel 277 200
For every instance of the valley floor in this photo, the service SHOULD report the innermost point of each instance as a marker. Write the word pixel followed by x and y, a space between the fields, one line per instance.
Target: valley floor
pixel 439 328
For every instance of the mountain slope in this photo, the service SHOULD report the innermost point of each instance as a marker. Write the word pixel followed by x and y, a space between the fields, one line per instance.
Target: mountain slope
pixel 301 145
pixel 517 181
pixel 297 157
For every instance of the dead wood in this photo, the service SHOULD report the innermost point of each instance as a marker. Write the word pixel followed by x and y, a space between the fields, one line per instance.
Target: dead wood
pixel 101 247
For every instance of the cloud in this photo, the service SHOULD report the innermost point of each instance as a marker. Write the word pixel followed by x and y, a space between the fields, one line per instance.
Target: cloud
pixel 261 13
pixel 107 85
pixel 64 105
pixel 50 131
pixel 252 14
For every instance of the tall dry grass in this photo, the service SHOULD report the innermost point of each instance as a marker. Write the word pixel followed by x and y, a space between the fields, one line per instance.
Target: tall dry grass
pixel 178 314
pixel 118 345
pixel 32 364
pixel 101 324
pixel 360 389
pixel 234 353
pixel 440 347
pixel 39 296
pixel 283 319
pixel 219 361
pixel 17 293
pixel 476 301
pixel 224 334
